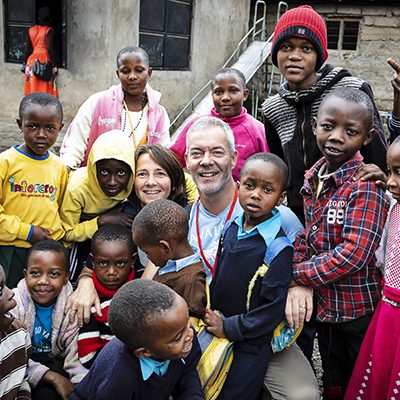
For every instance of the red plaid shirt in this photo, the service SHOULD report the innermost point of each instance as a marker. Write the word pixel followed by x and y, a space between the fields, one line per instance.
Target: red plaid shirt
pixel 335 252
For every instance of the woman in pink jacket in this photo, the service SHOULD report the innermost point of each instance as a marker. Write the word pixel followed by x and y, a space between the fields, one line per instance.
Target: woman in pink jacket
pixel 131 106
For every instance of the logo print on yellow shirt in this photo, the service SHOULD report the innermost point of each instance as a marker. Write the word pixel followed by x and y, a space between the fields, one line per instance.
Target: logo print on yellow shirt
pixel 33 189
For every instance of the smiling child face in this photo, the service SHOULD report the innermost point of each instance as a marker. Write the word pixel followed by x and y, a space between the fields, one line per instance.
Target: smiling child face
pixel 260 191
pixel 45 275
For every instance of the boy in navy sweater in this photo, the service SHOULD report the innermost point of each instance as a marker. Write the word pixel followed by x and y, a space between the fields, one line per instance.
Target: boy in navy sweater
pixel 154 354
pixel 249 314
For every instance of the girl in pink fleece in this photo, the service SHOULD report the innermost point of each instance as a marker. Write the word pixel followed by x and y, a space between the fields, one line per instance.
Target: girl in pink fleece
pixel 132 107
pixel 229 92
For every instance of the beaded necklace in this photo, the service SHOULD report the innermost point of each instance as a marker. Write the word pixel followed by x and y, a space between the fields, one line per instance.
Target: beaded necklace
pixel 133 128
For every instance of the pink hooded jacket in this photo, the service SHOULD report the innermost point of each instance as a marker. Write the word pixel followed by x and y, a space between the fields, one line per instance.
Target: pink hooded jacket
pixel 107 116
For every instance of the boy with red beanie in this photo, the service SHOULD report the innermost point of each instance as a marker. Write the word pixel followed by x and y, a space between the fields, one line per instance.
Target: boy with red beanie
pixel 299 50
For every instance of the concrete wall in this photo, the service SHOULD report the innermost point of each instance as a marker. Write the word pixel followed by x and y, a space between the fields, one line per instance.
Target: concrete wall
pixel 98 29
pixel 379 39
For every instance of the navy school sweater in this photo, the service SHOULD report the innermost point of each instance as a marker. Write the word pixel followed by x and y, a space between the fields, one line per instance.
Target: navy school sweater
pixel 237 263
pixel 116 374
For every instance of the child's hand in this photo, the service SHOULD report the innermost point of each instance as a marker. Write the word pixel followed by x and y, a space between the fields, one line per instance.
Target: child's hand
pixel 396 76
pixel 371 172
pixel 396 86
pixel 215 323
pixel 299 305
pixel 61 384
pixel 39 233
pixel 115 218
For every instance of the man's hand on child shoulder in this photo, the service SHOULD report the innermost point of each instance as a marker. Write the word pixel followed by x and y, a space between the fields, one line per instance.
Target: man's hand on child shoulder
pixel 39 234
pixel 215 323
pixel 371 172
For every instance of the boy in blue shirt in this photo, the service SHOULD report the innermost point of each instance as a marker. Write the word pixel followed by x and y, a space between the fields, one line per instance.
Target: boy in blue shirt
pixel 249 314
pixel 154 354
pixel 161 231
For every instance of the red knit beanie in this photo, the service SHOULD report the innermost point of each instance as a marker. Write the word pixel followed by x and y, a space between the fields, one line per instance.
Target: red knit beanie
pixel 302 22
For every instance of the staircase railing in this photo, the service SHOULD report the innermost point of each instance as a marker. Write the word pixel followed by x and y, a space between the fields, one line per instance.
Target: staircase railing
pixel 281 5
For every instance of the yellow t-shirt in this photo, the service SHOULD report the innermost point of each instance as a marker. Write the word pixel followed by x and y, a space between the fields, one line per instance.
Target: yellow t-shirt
pixel 31 192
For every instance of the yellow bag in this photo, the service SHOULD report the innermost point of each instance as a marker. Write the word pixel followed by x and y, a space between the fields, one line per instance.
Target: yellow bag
pixel 216 358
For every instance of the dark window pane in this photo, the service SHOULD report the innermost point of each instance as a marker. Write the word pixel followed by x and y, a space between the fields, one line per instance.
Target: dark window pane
pixel 20 11
pixel 333 28
pixel 178 18
pixel 176 53
pixel 152 15
pixel 153 44
pixel 350 35
pixel 16 37
pixel 164 32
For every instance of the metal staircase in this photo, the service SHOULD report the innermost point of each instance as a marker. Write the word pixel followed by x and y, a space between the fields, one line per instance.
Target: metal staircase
pixel 249 56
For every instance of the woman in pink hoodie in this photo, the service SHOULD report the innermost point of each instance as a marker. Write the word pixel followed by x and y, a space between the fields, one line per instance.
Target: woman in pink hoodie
pixel 131 106
pixel 229 92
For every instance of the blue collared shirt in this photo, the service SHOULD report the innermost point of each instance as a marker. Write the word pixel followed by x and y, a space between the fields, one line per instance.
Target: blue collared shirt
pixel 177 265
pixel 148 366
pixel 267 229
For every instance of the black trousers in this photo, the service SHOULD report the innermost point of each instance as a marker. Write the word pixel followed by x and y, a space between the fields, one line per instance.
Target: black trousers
pixel 339 345
pixel 45 391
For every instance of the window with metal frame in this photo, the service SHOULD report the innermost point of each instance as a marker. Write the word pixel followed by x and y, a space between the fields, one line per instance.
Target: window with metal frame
pixel 164 32
pixel 343 34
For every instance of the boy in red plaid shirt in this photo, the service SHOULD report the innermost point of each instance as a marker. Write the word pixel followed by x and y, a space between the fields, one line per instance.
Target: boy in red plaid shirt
pixel 334 262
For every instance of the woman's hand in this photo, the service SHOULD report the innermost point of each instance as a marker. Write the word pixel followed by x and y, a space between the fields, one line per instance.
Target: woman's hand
pixel 61 384
pixel 81 300
pixel 215 323
pixel 299 305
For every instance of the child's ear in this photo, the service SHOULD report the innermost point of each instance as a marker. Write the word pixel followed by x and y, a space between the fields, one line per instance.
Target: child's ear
pixel 282 198
pixel 25 272
pixel 19 123
pixel 238 185
pixel 245 94
pixel 142 352
pixel 116 71
pixel 165 246
pixel 369 137
pixel 61 125
pixel 150 71
pixel 314 125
